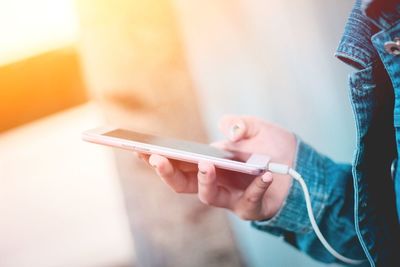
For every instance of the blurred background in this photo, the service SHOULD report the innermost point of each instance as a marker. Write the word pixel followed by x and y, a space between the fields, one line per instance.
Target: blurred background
pixel 167 66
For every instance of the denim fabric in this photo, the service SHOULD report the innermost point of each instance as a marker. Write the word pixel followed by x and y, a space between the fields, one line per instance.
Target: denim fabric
pixel 392 66
pixel 383 13
pixel 331 191
pixel 355 205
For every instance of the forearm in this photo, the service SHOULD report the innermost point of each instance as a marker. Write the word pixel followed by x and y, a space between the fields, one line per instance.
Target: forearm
pixel 331 191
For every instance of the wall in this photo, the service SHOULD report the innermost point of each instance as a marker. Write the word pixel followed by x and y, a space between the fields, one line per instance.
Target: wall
pixel 273 59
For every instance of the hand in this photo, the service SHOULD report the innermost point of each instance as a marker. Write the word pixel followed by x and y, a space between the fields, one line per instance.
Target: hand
pixel 251 198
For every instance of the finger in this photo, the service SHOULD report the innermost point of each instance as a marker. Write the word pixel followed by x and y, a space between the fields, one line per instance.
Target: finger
pixel 181 165
pixel 236 128
pixel 209 191
pixel 144 157
pixel 221 144
pixel 185 166
pixel 176 179
pixel 251 203
pixel 236 149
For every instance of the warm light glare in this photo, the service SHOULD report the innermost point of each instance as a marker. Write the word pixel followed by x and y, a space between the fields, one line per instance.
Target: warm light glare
pixel 28 27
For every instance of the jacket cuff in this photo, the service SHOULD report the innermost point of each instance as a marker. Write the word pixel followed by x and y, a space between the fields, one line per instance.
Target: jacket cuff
pixel 293 216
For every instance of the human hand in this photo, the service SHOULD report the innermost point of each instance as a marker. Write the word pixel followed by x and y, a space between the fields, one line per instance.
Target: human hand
pixel 249 197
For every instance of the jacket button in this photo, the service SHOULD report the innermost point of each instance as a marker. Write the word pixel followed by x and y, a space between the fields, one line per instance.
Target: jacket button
pixel 393 47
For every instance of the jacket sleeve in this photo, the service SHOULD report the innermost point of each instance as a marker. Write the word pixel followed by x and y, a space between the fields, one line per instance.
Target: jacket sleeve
pixel 331 191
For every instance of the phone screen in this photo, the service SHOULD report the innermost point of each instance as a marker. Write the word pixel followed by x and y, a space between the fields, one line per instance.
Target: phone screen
pixel 188 146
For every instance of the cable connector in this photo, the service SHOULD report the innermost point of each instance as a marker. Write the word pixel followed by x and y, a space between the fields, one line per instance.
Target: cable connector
pixel 278 168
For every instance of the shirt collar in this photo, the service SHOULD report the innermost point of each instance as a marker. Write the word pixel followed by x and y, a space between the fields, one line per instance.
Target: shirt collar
pixel 355 47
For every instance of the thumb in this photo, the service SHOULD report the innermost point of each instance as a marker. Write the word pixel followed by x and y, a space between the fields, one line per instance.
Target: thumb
pixel 236 128
pixel 257 188
pixel 251 203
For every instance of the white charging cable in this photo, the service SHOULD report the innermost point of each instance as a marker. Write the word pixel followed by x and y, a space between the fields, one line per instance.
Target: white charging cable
pixel 284 169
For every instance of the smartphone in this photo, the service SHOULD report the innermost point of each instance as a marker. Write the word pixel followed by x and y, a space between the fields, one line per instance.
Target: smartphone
pixel 182 150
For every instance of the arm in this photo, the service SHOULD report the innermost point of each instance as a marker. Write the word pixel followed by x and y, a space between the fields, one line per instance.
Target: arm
pixel 331 190
pixel 275 202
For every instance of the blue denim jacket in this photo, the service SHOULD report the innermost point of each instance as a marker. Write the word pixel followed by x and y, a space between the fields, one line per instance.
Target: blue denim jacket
pixel 355 205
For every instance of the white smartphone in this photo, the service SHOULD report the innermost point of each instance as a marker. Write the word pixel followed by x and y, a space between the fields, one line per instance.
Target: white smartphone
pixel 254 164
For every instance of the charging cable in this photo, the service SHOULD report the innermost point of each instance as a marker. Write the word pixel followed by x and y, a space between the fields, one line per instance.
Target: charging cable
pixel 284 169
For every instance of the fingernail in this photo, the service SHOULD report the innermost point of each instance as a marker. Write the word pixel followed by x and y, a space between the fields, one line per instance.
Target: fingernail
pixel 235 131
pixel 267 177
pixel 203 166
pixel 153 161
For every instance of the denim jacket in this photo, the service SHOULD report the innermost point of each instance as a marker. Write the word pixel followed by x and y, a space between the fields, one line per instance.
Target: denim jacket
pixel 355 205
